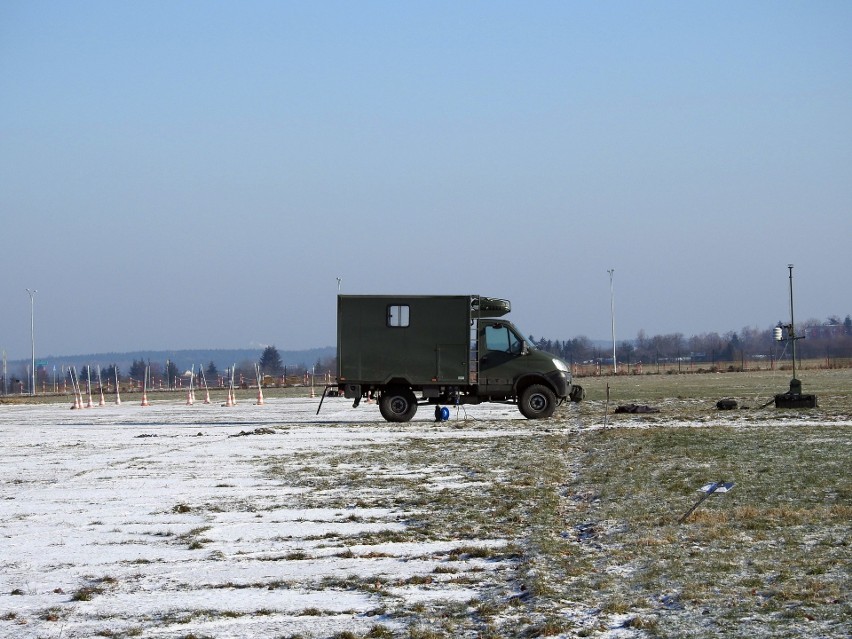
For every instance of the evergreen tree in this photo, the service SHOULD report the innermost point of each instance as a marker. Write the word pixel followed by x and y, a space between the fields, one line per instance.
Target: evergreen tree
pixel 172 373
pixel 270 362
pixel 109 374
pixel 137 370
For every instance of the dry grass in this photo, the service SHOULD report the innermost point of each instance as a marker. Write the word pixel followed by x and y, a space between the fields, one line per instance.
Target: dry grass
pixel 740 555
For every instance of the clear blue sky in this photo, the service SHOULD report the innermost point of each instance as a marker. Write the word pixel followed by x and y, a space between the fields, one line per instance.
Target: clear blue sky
pixel 198 174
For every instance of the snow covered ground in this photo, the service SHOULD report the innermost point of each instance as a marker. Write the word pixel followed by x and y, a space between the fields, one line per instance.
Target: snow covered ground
pixel 165 521
pixel 182 522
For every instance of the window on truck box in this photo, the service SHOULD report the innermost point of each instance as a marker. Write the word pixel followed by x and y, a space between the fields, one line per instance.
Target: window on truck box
pixel 398 315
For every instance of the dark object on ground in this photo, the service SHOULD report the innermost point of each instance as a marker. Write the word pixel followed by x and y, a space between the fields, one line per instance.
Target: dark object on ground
pixel 256 431
pixel 636 408
pixel 793 400
pixel 726 404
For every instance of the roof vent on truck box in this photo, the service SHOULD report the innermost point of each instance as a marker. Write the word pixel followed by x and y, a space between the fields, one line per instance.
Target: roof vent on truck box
pixel 489 306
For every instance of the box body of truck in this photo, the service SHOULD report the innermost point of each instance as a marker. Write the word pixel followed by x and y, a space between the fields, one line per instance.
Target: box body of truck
pixel 450 349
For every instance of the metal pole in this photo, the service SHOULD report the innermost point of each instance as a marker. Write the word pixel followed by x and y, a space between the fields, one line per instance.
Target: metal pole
pixel 709 492
pixel 32 337
pixel 792 329
pixel 612 315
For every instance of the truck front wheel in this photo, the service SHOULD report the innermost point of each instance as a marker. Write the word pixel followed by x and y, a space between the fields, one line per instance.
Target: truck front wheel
pixel 398 405
pixel 537 402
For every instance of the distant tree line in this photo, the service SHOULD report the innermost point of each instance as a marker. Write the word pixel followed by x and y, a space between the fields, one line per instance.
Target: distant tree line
pixel 829 339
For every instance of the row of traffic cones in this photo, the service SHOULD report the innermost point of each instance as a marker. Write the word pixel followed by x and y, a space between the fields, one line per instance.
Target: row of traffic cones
pixel 78 392
pixel 190 396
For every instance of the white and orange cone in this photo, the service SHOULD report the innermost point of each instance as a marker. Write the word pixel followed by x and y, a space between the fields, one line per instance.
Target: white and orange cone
pixel 145 389
pixel 259 379
pixel 78 398
pixel 79 393
pixel 190 394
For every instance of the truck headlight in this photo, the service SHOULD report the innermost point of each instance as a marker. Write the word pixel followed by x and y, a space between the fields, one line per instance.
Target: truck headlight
pixel 560 365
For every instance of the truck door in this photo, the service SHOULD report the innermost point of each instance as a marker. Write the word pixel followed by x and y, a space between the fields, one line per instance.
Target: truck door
pixel 499 348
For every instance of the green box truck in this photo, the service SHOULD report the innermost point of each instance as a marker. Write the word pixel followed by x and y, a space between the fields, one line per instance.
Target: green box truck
pixel 449 349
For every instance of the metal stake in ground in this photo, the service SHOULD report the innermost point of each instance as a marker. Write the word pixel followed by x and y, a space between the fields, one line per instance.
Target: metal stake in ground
pixel 707 489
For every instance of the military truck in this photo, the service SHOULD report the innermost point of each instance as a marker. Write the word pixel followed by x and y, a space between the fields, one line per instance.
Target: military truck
pixel 448 349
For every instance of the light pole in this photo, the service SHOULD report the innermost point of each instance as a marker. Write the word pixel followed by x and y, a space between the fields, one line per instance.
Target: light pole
pixel 612 315
pixel 32 338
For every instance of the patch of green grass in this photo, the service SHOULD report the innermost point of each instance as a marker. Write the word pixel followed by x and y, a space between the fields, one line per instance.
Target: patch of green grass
pixel 135 631
pixel 86 593
pixel 791 491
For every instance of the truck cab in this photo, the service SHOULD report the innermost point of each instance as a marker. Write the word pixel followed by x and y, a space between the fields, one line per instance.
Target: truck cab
pixel 513 369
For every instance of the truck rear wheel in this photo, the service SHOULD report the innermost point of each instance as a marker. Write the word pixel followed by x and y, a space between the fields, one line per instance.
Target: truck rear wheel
pixel 398 405
pixel 537 402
